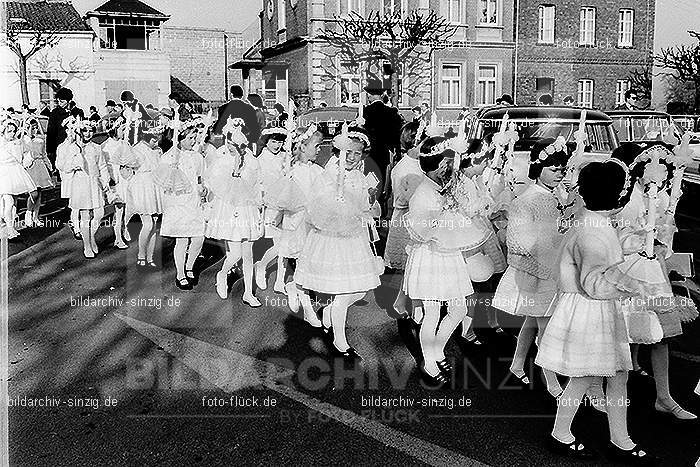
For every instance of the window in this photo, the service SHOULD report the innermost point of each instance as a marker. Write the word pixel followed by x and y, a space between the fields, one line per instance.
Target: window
pixel 47 91
pixel 129 33
pixel 354 6
pixel 546 24
pixel 269 88
pixel 626 28
pixel 394 7
pixel 620 89
pixel 587 26
pixel 453 11
pixel 486 84
pixel 348 85
pixel 281 15
pixel 450 85
pixel 488 11
pixel 585 93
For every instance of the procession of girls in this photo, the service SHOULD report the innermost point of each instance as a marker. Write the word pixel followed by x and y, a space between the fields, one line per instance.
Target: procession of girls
pixel 574 282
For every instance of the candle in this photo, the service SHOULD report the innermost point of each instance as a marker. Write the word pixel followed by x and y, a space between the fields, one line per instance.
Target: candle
pixel 651 219
pixel 342 162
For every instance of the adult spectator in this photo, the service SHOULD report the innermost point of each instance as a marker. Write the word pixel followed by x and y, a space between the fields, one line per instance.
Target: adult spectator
pixel 175 102
pixel 94 116
pixel 631 100
pixel 257 102
pixel 383 124
pixel 55 133
pixel 417 113
pixel 505 100
pixel 111 115
pixel 546 100
pixel 238 108
pixel 75 111
pixel 165 141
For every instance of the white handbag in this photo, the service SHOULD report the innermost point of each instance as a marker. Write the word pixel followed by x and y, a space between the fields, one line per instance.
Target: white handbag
pixel 480 267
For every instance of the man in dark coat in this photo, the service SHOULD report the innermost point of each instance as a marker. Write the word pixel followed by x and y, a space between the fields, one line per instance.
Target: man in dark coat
pixel 383 124
pixel 238 108
pixel 631 101
pixel 55 133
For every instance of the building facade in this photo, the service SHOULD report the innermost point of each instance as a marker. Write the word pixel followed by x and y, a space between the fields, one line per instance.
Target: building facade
pixel 473 67
pixel 581 49
pixel 69 62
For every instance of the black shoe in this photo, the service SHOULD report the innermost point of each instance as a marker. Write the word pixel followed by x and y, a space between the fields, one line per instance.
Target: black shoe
pixel 350 354
pixel 576 450
pixel 183 284
pixel 636 456
pixel 192 278
pixel 433 382
pixel 445 366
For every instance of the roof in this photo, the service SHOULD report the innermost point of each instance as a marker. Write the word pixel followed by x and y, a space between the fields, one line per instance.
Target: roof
pixel 328 114
pixel 186 93
pixel 637 113
pixel 128 7
pixel 543 113
pixel 47 16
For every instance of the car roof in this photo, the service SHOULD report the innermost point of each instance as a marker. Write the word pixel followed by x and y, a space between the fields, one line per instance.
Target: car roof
pixel 637 113
pixel 532 112
pixel 324 114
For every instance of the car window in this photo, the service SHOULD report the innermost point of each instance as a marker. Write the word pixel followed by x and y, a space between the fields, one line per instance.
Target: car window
pixel 649 128
pixel 599 134
pixel 620 125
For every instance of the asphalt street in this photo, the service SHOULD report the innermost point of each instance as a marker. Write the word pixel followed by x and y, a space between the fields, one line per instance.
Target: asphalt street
pixel 111 365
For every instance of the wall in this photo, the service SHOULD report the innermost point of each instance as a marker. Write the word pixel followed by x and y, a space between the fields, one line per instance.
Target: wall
pixel 566 62
pixel 133 65
pixel 197 59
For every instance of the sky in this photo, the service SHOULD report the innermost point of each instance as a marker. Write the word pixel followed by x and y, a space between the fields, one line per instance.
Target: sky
pixel 673 19
pixel 230 15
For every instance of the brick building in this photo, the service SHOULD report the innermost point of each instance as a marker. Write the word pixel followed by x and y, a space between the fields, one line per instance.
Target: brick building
pixel 473 68
pixel 581 48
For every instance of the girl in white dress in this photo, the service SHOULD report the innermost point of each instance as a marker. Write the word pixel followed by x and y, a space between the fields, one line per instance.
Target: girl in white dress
pixel 143 197
pixel 435 269
pixel 631 226
pixel 337 258
pixel 303 177
pixel 586 336
pixel 528 285
pixel 38 167
pixel 477 204
pixel 14 179
pixel 406 175
pixel 117 150
pixel 234 180
pixel 180 178
pixel 271 161
pixel 89 183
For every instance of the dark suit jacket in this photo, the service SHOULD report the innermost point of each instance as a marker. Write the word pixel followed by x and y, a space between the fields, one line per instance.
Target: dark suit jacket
pixel 383 124
pixel 165 142
pixel 55 133
pixel 236 108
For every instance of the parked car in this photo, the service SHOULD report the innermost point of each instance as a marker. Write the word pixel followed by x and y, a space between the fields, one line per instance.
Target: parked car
pixel 536 122
pixel 651 126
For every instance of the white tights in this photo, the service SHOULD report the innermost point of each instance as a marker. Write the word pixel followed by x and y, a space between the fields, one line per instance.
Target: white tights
pixel 235 251
pixel 434 333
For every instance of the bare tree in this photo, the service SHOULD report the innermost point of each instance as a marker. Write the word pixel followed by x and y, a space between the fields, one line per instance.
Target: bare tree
pixel 641 79
pixel 24 39
pixel 75 68
pixel 682 62
pixel 404 42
